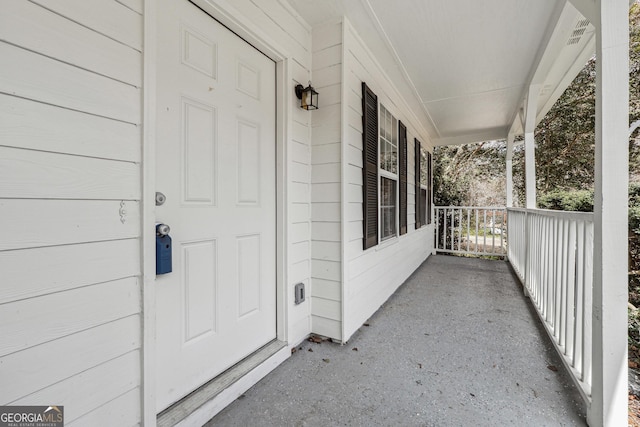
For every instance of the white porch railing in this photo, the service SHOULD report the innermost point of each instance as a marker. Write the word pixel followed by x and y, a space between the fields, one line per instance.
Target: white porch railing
pixel 471 230
pixel 552 254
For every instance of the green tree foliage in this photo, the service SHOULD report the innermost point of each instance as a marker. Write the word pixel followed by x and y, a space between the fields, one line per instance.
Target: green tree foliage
pixel 470 175
pixel 634 90
pixel 565 137
pixel 567 200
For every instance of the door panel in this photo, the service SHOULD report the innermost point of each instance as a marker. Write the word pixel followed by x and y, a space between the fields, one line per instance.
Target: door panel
pixel 215 162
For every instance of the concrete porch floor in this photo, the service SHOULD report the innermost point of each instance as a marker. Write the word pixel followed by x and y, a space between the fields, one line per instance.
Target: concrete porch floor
pixel 457 345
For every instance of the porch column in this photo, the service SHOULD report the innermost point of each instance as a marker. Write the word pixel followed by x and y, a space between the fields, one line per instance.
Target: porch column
pixel 509 188
pixel 610 287
pixel 529 145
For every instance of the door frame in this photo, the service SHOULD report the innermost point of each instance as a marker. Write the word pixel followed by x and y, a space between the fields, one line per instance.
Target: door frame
pixel 225 13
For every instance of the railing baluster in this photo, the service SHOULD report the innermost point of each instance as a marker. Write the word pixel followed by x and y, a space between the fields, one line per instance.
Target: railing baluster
pixel 571 287
pixel 493 229
pixel 453 225
pixel 563 283
pixel 502 232
pixel 444 229
pixel 437 215
pixel 477 212
pixel 588 301
pixel 468 228
pixel 579 298
pixel 460 229
pixel 484 228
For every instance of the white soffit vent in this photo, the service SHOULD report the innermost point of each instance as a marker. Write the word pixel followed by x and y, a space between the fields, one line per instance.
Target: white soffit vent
pixel 578 31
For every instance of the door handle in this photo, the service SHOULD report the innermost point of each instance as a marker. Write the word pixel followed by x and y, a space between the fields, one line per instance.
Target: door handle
pixel 162 229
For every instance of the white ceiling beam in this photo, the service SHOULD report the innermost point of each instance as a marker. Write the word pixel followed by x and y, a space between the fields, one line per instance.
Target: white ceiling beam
pixel 517 124
pixel 510 145
pixel 489 135
pixel 531 108
pixel 587 8
pixel 509 171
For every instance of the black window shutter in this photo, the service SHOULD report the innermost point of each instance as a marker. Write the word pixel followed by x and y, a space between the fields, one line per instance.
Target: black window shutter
pixel 429 186
pixel 417 184
pixel 402 169
pixel 369 166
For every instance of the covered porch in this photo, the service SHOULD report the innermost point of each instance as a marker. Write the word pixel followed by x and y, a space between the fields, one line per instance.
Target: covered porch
pixel 87 89
pixel 457 344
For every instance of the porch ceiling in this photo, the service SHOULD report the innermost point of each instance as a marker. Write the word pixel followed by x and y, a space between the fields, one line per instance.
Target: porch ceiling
pixel 469 63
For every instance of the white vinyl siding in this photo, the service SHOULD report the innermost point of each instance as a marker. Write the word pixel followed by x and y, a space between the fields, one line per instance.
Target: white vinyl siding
pixel 326 265
pixel 70 168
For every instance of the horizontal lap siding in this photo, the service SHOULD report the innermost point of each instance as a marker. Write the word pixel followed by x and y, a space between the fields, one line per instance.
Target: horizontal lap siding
pixel 373 275
pixel 70 138
pixel 326 251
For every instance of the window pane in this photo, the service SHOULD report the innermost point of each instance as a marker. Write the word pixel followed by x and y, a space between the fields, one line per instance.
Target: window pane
pixel 423 206
pixel 393 159
pixel 388 208
pixel 394 133
pixel 388 145
pixel 423 167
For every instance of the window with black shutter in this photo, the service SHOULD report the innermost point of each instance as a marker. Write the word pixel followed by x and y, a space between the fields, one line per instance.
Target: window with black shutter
pixel 418 169
pixel 369 166
pixel 402 170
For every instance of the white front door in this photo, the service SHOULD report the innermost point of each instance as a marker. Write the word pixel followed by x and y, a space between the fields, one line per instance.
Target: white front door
pixel 216 165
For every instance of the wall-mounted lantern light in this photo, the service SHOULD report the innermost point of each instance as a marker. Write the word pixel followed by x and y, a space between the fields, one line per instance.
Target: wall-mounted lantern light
pixel 308 97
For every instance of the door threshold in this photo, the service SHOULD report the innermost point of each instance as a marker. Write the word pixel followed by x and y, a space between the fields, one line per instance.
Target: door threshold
pixel 202 404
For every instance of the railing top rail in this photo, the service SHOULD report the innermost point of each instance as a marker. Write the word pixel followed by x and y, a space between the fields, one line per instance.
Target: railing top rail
pixel 523 210
pixel 496 208
pixel 578 216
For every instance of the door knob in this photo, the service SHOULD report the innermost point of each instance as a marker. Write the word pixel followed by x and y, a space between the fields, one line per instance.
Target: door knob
pixel 162 229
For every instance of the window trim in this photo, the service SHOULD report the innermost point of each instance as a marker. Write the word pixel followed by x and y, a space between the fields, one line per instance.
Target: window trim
pixel 390 177
pixel 383 173
pixel 403 166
